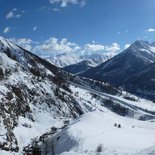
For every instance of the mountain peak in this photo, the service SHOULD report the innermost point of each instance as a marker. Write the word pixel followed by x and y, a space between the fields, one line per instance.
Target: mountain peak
pixel 141 48
pixel 6 44
pixel 140 44
pixel 2 38
pixel 2 41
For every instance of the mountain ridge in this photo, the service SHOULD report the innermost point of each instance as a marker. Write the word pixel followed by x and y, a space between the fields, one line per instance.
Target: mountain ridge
pixel 68 59
pixel 123 65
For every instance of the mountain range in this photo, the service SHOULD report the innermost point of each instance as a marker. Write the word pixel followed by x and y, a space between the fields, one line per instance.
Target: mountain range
pixel 45 110
pixel 131 68
pixel 66 59
pixel 80 67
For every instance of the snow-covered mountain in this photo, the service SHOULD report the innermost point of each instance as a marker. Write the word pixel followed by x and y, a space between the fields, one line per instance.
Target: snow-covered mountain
pixel 38 100
pixel 67 59
pixel 63 60
pixel 29 92
pixel 80 67
pixel 33 93
pixel 88 61
pixel 115 71
pixel 98 57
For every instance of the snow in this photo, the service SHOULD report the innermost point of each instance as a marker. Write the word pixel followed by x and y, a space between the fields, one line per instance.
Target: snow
pixel 148 151
pixel 152 48
pixel 26 134
pixel 64 59
pixel 67 59
pixel 85 134
pixel 141 103
pixel 41 125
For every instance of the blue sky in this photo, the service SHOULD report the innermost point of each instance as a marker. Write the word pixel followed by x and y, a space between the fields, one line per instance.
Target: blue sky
pixel 80 22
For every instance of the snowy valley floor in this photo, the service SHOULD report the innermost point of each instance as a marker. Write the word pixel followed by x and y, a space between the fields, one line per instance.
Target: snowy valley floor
pixel 97 130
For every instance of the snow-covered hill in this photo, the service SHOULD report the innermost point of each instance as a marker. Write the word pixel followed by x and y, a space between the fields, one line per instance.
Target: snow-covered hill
pixel 104 134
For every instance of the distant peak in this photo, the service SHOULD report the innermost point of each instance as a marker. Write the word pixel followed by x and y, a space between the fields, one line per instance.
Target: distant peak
pixel 4 42
pixel 140 44
pixel 2 39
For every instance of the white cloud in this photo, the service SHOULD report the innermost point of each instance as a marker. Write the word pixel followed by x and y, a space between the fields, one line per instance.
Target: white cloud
pixel 93 47
pixel 6 30
pixel 54 46
pixel 150 30
pixel 65 3
pixel 83 3
pixel 126 46
pixel 35 28
pixel 13 14
pixel 114 47
pixel 55 9
pixel 49 47
pixel 23 42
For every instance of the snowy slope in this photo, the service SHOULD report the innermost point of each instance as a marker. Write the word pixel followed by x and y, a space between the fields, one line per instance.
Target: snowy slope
pixel 99 131
pixel 148 151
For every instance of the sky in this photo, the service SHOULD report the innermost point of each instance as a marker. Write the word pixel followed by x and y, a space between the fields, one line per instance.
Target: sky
pixel 57 26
